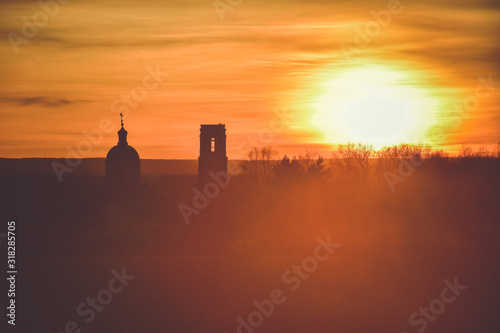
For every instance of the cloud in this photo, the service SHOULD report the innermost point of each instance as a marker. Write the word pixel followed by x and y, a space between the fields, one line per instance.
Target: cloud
pixel 41 100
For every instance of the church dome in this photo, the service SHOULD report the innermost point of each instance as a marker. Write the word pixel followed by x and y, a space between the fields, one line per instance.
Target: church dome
pixel 123 165
pixel 122 153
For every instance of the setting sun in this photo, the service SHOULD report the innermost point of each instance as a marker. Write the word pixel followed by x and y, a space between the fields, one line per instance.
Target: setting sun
pixel 375 105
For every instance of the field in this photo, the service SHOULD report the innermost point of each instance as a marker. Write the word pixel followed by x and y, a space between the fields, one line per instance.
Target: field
pixel 395 252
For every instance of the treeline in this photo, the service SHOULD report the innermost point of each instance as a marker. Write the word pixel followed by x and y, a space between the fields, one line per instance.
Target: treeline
pixel 355 163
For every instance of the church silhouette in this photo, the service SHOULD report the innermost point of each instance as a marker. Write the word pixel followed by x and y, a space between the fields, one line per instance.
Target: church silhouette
pixel 123 164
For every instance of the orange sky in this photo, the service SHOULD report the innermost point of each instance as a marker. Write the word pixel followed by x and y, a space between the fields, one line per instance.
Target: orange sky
pixel 264 56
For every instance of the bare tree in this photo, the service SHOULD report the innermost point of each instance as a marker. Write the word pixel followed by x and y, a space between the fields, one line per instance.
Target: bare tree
pixel 438 154
pixel 344 158
pixel 355 158
pixel 259 165
pixel 466 152
pixel 393 156
pixel 363 156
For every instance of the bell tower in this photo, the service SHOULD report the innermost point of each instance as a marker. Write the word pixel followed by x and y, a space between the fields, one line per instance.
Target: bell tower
pixel 212 151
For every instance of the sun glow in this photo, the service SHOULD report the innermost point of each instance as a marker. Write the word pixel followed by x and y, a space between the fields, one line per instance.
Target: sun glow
pixel 374 105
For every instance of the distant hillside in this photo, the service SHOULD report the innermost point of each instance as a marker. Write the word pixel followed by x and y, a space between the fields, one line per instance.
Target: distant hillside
pixel 95 166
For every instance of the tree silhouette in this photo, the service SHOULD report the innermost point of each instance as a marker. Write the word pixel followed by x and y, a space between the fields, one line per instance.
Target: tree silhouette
pixel 259 165
pixel 355 160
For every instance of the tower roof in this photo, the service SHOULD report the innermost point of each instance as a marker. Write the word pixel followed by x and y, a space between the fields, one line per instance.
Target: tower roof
pixel 122 152
pixel 122 136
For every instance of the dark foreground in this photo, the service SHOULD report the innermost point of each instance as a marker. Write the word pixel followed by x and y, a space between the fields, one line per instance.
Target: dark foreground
pixel 422 258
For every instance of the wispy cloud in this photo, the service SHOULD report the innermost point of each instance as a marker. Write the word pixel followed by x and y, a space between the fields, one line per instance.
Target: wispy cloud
pixel 40 100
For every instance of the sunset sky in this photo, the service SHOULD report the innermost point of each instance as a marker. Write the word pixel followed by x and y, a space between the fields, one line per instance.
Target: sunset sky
pixel 265 62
